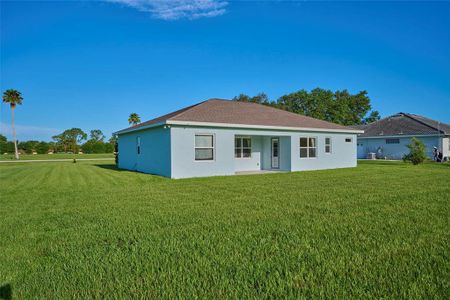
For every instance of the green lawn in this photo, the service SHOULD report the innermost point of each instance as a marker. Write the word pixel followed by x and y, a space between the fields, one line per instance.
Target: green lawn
pixel 88 230
pixel 55 156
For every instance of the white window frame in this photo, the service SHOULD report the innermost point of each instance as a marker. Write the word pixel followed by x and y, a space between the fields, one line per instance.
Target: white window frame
pixel 307 147
pixel 138 145
pixel 330 145
pixel 213 147
pixel 242 147
pixel 391 140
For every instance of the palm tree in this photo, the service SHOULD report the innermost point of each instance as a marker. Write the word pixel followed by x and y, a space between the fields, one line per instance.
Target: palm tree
pixel 14 98
pixel 134 119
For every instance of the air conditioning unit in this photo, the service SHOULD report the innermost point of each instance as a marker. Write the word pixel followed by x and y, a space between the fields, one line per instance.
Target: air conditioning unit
pixel 371 155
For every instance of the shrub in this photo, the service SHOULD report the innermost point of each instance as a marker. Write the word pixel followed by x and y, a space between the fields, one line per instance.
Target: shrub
pixel 98 147
pixel 416 153
pixel 109 148
pixel 10 147
pixel 28 146
pixel 93 146
pixel 42 148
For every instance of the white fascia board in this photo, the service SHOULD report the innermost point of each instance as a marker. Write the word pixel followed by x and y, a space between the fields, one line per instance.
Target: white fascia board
pixel 398 136
pixel 139 128
pixel 262 127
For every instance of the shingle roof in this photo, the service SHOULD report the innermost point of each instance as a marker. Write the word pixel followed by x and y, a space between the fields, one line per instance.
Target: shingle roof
pixel 240 113
pixel 403 124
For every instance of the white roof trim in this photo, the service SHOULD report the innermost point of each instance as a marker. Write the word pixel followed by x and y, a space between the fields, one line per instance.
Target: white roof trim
pixel 400 136
pixel 283 128
pixel 139 128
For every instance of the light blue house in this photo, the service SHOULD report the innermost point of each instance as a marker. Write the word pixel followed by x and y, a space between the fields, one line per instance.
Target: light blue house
pixel 388 137
pixel 223 137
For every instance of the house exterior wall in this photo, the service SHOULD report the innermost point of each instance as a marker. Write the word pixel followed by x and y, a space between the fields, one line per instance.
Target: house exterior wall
pixel 252 163
pixel 446 146
pixel 284 149
pixel 154 157
pixel 184 164
pixel 183 152
pixel 266 160
pixel 395 151
pixel 343 154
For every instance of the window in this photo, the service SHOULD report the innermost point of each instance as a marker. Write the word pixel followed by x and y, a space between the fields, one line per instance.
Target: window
pixel 392 141
pixel 308 147
pixel 204 147
pixel 242 147
pixel 327 145
pixel 138 145
pixel 348 140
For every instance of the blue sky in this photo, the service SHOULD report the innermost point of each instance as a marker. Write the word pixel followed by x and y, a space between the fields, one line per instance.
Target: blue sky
pixel 90 64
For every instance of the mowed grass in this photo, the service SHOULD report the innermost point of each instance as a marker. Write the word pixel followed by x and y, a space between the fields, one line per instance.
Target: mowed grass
pixel 55 156
pixel 88 230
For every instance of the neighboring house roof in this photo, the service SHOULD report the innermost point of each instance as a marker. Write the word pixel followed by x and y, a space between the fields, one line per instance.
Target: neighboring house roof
pixel 403 124
pixel 229 113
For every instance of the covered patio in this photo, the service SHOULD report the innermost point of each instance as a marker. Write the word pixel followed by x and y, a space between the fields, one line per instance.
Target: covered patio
pixel 255 154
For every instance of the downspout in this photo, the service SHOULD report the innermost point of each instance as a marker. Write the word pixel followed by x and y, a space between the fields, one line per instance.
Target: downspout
pixel 440 141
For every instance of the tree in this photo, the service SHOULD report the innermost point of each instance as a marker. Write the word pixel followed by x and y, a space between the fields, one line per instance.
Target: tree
pixel 350 109
pixel 62 142
pixel 3 144
pixel 373 117
pixel 242 98
pixel 97 135
pixel 109 148
pixel 14 98
pixel 260 98
pixel 52 147
pixel 294 102
pixel 339 107
pixel 87 147
pixel 416 153
pixel 93 146
pixel 96 143
pixel 42 148
pixel 75 136
pixel 70 139
pixel 317 104
pixel 134 119
pixel 113 139
pixel 10 147
pixel 28 146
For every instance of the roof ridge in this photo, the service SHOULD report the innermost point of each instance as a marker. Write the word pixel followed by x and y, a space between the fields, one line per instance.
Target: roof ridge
pixel 411 116
pixel 184 110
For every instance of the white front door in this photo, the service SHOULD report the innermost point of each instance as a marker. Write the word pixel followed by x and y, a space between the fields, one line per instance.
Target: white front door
pixel 275 153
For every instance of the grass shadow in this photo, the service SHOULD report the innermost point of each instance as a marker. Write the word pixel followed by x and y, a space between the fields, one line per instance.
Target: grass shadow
pixel 6 292
pixel 110 167
pixel 149 176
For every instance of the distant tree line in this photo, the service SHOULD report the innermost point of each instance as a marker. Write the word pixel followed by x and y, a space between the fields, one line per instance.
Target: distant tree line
pixel 27 147
pixel 71 140
pixel 340 107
